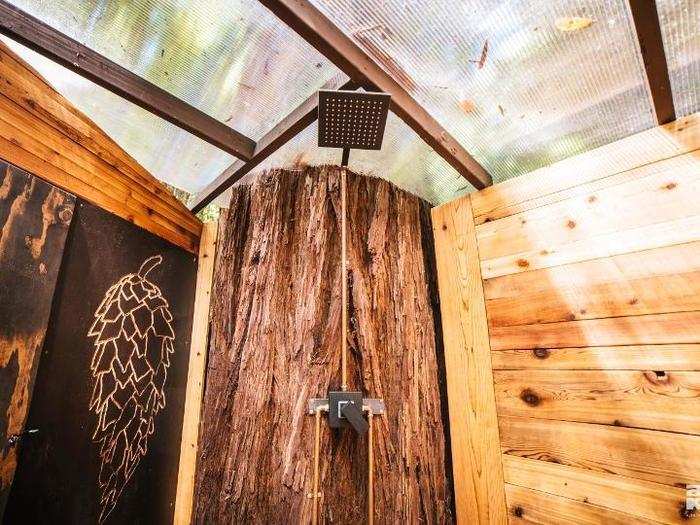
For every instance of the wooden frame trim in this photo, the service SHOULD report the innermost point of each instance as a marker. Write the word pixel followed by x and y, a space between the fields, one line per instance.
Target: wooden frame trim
pixel 82 60
pixel 278 136
pixel 476 449
pixel 651 45
pixel 340 49
pixel 189 445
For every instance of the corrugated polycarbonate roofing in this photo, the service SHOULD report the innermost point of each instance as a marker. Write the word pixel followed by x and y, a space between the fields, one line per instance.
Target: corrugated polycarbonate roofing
pixel 507 79
pixel 680 29
pixel 519 84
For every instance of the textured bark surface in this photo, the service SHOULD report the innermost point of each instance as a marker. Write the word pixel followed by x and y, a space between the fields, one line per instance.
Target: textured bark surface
pixel 275 343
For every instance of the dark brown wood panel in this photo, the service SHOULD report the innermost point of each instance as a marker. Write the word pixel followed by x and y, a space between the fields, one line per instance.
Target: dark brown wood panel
pixel 328 39
pixel 34 220
pixel 651 44
pixel 71 54
pixel 298 120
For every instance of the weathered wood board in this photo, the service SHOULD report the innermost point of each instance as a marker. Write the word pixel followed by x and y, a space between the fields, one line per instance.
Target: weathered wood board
pixel 276 343
pixel 34 221
pixel 109 394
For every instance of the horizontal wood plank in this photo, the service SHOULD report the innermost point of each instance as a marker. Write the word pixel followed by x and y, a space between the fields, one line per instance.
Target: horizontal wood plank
pixel 662 457
pixel 37 138
pixel 28 90
pixel 657 400
pixel 683 327
pixel 652 295
pixel 671 188
pixel 657 262
pixel 632 357
pixel 648 237
pixel 45 135
pixel 532 506
pixel 663 142
pixel 639 498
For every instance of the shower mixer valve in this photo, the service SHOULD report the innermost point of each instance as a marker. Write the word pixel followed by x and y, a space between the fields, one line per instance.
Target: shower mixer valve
pixel 345 409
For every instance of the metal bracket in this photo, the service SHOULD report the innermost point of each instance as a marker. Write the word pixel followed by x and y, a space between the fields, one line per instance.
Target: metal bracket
pixel 376 405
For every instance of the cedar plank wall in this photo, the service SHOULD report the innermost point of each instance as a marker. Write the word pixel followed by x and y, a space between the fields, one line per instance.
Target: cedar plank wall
pixel 591 282
pixel 41 132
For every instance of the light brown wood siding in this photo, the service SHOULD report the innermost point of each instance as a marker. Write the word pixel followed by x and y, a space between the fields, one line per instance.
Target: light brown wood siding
pixel 41 132
pixel 591 286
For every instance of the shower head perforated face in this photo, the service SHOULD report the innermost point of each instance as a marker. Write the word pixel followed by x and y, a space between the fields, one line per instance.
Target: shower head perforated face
pixel 352 119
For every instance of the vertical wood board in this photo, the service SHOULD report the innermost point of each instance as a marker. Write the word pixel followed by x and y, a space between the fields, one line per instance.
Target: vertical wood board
pixel 195 378
pixel 476 460
pixel 34 221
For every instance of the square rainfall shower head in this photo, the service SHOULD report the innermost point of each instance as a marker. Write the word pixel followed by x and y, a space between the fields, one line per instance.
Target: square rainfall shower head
pixel 352 119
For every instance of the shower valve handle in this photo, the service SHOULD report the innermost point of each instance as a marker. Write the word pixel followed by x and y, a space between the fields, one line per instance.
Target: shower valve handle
pixel 354 416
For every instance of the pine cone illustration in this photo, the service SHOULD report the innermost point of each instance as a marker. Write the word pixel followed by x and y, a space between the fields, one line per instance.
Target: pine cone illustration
pixel 133 339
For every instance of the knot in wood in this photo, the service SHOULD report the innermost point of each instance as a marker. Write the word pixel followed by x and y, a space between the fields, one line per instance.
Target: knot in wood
pixel 530 397
pixel 541 353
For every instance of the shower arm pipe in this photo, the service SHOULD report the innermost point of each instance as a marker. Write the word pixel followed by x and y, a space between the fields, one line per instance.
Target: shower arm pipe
pixel 344 280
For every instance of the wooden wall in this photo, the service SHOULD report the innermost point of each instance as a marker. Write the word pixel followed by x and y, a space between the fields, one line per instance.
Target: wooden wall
pixel 591 287
pixel 41 132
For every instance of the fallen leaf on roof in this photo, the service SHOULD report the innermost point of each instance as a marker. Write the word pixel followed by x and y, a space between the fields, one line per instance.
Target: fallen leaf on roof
pixel 467 105
pixel 572 23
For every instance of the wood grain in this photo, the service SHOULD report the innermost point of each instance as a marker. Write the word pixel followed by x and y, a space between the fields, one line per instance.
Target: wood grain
pixel 276 343
pixel 531 506
pixel 674 328
pixel 661 280
pixel 659 262
pixel 473 426
pixel 195 377
pixel 34 221
pixel 44 134
pixel 589 188
pixel 670 187
pixel 631 357
pixel 663 142
pixel 661 457
pixel 653 399
pixel 639 498
pixel 647 237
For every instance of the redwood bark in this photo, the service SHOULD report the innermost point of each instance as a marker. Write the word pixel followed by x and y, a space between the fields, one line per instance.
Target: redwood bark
pixel 275 343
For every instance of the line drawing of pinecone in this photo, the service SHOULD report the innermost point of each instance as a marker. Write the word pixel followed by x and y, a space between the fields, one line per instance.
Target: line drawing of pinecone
pixel 133 340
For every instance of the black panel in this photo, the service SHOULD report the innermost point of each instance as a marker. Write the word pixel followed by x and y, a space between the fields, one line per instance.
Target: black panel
pixel 57 479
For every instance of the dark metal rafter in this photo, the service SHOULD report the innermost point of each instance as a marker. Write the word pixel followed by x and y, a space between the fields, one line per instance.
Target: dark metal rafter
pixel 82 60
pixel 651 45
pixel 340 49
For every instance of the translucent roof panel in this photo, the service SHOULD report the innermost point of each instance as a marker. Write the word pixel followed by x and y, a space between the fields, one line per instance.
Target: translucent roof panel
pixel 680 28
pixel 519 84
pixel 232 59
pixel 404 159
pixel 169 153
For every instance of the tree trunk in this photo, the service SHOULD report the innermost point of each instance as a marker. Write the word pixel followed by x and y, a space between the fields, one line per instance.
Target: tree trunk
pixel 275 343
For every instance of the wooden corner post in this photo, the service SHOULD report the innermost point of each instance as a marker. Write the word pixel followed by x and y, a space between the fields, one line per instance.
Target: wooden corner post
pixel 195 377
pixel 476 451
